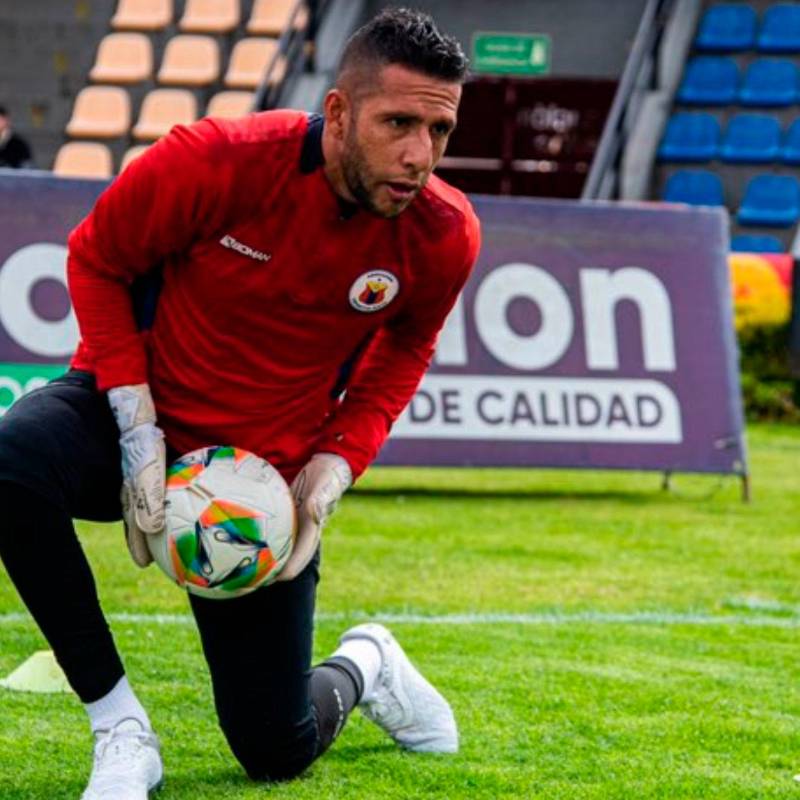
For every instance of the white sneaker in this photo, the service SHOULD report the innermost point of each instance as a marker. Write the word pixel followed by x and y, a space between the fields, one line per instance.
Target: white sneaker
pixel 402 702
pixel 127 763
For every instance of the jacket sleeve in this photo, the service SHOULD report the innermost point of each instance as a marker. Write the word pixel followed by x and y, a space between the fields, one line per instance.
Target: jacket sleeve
pixel 163 201
pixel 391 369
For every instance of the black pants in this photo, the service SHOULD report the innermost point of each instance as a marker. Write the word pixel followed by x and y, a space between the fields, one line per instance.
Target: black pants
pixel 60 459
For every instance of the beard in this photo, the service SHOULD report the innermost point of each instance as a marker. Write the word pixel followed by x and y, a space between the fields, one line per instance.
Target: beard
pixel 358 179
pixel 361 180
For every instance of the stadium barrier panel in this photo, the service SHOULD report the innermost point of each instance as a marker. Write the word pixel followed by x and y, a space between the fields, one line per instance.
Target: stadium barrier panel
pixel 590 334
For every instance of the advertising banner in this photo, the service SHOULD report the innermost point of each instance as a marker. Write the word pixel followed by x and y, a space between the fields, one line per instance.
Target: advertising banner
pixel 590 335
pixel 38 330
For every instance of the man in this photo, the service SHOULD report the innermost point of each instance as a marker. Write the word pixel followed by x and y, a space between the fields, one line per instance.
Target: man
pixel 14 150
pixel 307 267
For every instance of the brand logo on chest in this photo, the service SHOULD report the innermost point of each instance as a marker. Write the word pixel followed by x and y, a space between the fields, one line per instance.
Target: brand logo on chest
pixel 245 250
pixel 373 290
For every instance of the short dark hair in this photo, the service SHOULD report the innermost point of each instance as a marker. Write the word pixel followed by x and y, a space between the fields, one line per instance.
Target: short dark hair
pixel 3 111
pixel 409 38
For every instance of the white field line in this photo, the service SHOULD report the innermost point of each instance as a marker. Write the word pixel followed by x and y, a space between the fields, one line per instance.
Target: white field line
pixel 554 618
pixel 761 604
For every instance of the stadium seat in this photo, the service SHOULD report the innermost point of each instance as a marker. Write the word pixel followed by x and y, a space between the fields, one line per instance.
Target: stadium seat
pixel 696 187
pixel 83 160
pixel 769 82
pixel 131 154
pixel 271 17
pixel 709 81
pixel 142 15
pixel 790 151
pixel 770 200
pixel 751 139
pixel 690 137
pixel 123 58
pixel 780 29
pixel 230 105
pixel 753 243
pixel 163 108
pixel 210 16
pixel 102 112
pixel 249 62
pixel 190 60
pixel 727 27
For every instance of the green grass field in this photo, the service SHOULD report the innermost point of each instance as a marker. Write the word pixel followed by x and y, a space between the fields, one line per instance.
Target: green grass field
pixel 597 637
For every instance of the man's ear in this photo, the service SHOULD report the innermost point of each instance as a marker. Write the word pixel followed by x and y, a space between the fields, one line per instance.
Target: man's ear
pixel 337 112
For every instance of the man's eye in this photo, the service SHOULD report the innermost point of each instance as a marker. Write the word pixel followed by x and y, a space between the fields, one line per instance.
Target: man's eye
pixel 399 122
pixel 441 130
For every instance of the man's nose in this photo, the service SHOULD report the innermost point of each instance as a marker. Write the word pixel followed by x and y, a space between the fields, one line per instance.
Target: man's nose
pixel 418 154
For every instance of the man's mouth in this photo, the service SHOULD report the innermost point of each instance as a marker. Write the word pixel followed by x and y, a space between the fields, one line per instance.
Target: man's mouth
pixel 402 190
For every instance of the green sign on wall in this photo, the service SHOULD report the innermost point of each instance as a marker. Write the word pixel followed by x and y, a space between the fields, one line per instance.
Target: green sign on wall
pixel 511 53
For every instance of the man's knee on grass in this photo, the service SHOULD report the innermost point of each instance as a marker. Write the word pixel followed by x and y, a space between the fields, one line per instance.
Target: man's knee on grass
pixel 274 755
pixel 282 752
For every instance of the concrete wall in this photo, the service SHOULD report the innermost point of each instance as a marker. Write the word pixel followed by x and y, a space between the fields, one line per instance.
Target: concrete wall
pixel 48 46
pixel 590 38
pixel 46 50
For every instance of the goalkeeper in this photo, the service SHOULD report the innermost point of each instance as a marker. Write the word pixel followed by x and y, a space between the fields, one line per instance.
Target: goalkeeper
pixel 276 283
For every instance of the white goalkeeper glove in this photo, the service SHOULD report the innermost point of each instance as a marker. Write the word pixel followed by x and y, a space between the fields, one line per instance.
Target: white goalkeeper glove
pixel 144 467
pixel 316 491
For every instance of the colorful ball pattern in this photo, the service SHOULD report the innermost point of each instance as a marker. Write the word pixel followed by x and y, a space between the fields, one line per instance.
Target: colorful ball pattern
pixel 230 523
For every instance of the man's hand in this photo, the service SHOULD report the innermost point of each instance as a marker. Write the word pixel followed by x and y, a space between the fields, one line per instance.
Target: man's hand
pixel 316 491
pixel 144 466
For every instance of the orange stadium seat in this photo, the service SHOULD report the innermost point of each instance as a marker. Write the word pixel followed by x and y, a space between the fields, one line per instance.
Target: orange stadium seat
pixel 123 58
pixel 230 105
pixel 210 16
pixel 131 154
pixel 249 61
pixel 271 17
pixel 163 108
pixel 190 60
pixel 83 160
pixel 142 15
pixel 102 112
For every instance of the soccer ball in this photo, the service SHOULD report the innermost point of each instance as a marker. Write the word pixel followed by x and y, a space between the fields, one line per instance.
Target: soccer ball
pixel 230 523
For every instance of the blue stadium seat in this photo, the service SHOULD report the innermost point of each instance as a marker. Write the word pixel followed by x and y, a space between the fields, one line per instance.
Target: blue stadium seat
pixel 709 81
pixel 727 27
pixel 697 187
pixel 751 139
pixel 769 82
pixel 790 152
pixel 690 137
pixel 780 29
pixel 753 243
pixel 770 200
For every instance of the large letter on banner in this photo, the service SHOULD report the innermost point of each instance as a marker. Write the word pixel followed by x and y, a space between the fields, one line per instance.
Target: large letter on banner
pixel 590 335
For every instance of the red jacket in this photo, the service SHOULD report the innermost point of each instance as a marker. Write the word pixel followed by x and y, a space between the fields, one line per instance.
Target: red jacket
pixel 273 299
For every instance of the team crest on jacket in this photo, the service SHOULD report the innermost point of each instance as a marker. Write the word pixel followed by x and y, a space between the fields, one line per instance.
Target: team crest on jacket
pixel 373 290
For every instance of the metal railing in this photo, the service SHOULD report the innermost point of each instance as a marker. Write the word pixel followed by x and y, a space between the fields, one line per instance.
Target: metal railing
pixel 295 51
pixel 639 69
